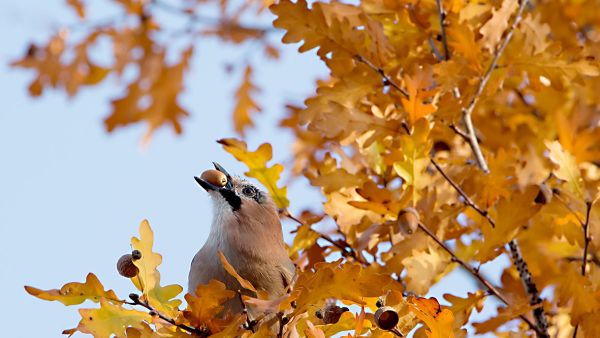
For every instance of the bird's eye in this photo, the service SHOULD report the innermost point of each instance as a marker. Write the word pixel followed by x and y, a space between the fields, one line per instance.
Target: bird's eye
pixel 249 191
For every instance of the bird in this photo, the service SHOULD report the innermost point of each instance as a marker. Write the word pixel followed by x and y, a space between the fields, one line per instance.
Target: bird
pixel 246 228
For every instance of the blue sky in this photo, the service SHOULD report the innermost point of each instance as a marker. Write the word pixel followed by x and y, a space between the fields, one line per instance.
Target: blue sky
pixel 73 195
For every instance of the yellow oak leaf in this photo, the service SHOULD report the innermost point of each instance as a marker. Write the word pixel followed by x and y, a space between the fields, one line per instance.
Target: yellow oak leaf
pixel 424 268
pixel 510 216
pixel 576 291
pixel 204 307
pixel 419 90
pixel 415 158
pixel 148 278
pixel 75 293
pixel 493 29
pixel 463 307
pixel 462 40
pixel 348 282
pixel 439 321
pixel 567 170
pixel 331 178
pixel 111 320
pixel 504 315
pixel 245 104
pixel 257 163
pixel 305 237
pixel 334 34
pixel 235 329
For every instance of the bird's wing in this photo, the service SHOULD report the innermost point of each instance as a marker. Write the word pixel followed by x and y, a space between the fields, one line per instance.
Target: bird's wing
pixel 288 272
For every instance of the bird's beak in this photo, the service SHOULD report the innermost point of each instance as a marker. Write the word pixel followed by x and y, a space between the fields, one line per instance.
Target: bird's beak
pixel 206 185
pixel 229 185
pixel 211 187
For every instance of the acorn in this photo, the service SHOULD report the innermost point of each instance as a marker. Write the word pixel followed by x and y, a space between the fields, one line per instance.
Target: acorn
pixel 408 220
pixel 331 313
pixel 386 318
pixel 126 267
pixel 214 177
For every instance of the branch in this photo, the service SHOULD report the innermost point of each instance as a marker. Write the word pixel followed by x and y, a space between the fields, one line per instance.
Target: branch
pixel 346 249
pixel 204 332
pixel 586 243
pixel 467 112
pixel 490 288
pixel 467 200
pixel 386 79
pixel 586 236
pixel 530 287
pixel 442 15
pixel 516 256
pixel 434 49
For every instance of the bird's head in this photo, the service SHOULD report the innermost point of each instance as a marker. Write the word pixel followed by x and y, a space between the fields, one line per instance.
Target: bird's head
pixel 234 194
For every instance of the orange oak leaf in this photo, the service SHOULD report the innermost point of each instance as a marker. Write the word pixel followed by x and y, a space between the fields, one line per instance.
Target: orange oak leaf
pixel 420 93
pixel 245 105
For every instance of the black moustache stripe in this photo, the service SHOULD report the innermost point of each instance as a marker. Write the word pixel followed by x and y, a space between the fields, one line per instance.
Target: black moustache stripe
pixel 234 200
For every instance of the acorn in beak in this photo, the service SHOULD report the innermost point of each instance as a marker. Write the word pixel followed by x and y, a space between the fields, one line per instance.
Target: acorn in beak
pixel 215 180
pixel 219 180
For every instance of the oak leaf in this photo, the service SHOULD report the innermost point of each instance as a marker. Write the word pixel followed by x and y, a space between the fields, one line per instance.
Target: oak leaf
pixel 76 293
pixel 245 105
pixel 493 29
pixel 257 163
pixel 111 320
pixel 148 278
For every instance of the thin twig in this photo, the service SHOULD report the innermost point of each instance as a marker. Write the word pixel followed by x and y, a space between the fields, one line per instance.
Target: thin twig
pixel 586 243
pixel 467 200
pixel 435 50
pixel 195 17
pixel 249 324
pixel 386 79
pixel 468 111
pixel 204 332
pixel 442 16
pixel 459 131
pixel 490 288
pixel 346 249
